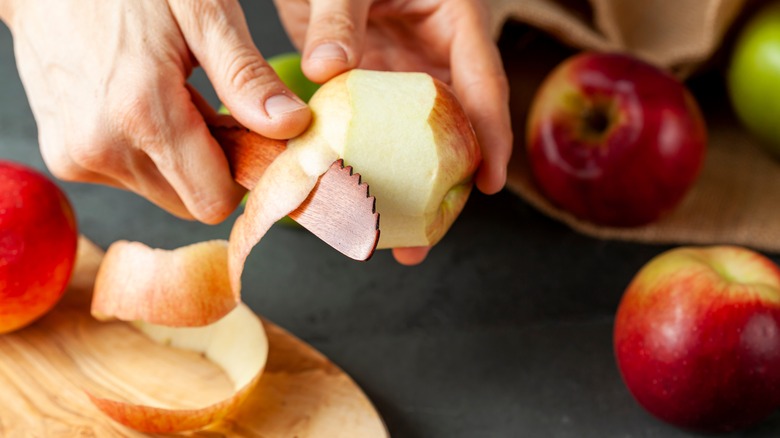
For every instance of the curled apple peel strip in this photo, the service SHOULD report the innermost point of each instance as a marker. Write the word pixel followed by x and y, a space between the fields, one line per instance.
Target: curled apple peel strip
pixel 197 284
pixel 242 357
pixel 187 286
pixel 163 292
pixel 283 187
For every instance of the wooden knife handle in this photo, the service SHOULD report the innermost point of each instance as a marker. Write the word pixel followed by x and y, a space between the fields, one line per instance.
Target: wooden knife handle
pixel 249 154
pixel 339 209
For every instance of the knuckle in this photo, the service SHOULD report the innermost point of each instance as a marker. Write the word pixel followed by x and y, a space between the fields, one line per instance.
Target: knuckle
pixel 58 160
pixel 210 209
pixel 249 70
pixel 502 84
pixel 133 113
pixel 64 170
pixel 208 15
pixel 339 23
pixel 89 155
pixel 141 122
pixel 214 11
pixel 89 148
pixel 494 82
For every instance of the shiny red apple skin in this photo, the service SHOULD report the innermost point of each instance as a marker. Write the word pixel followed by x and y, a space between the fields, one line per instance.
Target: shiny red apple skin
pixel 38 239
pixel 644 161
pixel 697 337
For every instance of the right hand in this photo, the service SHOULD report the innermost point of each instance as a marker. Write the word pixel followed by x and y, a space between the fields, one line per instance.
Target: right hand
pixel 449 39
pixel 107 83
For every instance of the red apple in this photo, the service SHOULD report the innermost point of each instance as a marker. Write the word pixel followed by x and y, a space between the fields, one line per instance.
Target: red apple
pixel 614 140
pixel 697 337
pixel 38 237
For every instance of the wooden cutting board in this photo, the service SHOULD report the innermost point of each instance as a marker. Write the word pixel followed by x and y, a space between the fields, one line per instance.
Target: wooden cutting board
pixel 45 368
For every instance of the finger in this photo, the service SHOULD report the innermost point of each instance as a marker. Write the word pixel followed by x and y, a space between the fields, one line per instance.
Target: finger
pixel 58 156
pixel 85 163
pixel 192 161
pixel 334 37
pixel 217 34
pixel 147 181
pixel 411 256
pixel 63 167
pixel 210 115
pixel 480 83
pixel 201 104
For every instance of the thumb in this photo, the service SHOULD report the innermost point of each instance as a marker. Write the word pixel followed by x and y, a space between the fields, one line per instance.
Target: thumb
pixel 334 37
pixel 217 34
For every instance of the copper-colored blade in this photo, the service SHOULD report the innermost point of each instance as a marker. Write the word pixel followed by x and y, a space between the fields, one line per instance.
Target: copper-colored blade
pixel 339 210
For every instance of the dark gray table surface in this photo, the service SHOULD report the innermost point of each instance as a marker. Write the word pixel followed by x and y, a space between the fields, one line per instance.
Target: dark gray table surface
pixel 505 331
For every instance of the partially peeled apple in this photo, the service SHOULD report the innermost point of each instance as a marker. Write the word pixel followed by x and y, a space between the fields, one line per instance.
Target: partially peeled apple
pixel 409 138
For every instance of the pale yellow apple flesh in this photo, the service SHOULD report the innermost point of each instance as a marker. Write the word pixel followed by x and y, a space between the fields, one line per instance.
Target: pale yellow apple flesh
pixel 410 140
pixel 237 343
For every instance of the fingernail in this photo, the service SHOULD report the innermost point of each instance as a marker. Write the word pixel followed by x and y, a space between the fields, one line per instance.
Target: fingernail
pixel 282 104
pixel 329 52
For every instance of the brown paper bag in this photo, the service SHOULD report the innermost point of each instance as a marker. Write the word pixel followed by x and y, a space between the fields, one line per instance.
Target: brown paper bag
pixel 674 34
pixel 736 199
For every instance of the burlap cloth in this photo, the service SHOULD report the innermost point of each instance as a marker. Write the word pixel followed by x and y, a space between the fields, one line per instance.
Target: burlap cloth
pixel 736 199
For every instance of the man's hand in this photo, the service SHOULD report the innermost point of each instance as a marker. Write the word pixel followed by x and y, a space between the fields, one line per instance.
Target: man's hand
pixel 107 83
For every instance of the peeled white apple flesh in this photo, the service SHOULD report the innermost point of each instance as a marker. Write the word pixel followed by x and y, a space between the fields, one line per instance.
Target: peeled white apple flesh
pixel 237 343
pixel 410 140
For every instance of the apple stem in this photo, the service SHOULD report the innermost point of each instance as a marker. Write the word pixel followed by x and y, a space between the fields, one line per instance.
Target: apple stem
pixel 596 119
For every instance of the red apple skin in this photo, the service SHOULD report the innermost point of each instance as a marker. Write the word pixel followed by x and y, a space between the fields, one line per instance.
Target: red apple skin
pixel 614 140
pixel 697 337
pixel 38 238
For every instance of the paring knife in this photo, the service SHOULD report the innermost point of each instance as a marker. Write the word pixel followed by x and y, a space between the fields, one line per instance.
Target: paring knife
pixel 339 210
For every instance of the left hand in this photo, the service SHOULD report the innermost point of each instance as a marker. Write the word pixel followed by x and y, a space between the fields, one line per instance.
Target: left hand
pixel 448 39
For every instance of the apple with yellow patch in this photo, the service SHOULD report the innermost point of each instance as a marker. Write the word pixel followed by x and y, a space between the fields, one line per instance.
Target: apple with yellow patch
pixel 697 337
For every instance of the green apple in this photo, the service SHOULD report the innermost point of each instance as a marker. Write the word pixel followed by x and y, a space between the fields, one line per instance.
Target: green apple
pixel 754 76
pixel 288 67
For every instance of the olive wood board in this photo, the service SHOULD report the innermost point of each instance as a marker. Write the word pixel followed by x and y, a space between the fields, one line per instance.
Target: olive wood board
pixel 46 367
